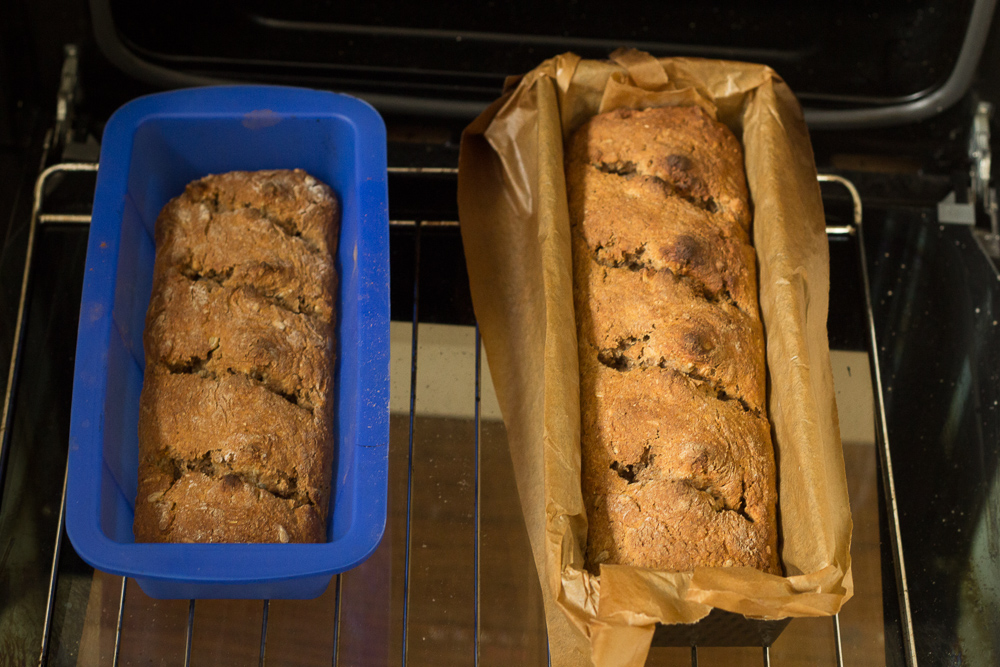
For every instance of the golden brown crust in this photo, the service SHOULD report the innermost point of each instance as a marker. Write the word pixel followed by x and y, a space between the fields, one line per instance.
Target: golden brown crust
pixel 198 508
pixel 225 328
pixel 642 318
pixel 673 478
pixel 291 199
pixel 224 228
pixel 231 424
pixel 689 155
pixel 678 467
pixel 625 192
pixel 236 406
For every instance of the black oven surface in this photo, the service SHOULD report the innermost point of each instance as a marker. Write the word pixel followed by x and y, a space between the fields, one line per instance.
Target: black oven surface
pixel 453 581
pixel 892 50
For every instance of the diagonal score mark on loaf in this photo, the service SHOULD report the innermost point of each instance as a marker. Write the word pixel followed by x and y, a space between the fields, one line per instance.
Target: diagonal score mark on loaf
pixel 213 199
pixel 705 478
pixel 188 270
pixel 300 305
pixel 212 465
pixel 193 365
pixel 199 366
pixel 643 470
pixel 630 471
pixel 286 225
pixel 273 274
pixel 671 188
pixel 718 500
pixel 617 358
pixel 233 328
pixel 637 259
pixel 214 427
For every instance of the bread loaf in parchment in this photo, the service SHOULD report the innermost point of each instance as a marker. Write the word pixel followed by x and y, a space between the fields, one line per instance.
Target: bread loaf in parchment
pixel 678 466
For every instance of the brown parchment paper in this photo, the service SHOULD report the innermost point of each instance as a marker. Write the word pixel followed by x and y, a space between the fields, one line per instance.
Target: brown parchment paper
pixel 515 229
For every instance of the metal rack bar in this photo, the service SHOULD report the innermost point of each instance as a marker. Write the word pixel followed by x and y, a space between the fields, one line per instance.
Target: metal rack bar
pixel 855 200
pixel 190 635
pixel 121 615
pixel 882 434
pixel 337 606
pixel 15 354
pixel 423 170
pixel 15 359
pixel 65 218
pixel 909 644
pixel 118 626
pixel 263 632
pixel 477 490
pixel 836 640
pixel 53 576
pixel 424 223
pixel 409 460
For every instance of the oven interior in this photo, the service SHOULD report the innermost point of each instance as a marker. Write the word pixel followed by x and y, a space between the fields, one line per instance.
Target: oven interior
pixel 913 323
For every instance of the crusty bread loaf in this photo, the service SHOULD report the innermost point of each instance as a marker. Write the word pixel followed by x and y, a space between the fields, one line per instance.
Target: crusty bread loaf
pixel 235 441
pixel 678 467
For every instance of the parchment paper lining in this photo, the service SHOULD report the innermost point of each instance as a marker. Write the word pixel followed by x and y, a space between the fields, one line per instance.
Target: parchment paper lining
pixel 515 229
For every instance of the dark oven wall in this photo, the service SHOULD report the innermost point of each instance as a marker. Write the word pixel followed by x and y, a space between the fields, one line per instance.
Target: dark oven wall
pixel 853 56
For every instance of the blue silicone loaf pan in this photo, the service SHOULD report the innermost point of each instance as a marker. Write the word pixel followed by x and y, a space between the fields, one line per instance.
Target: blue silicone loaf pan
pixel 152 147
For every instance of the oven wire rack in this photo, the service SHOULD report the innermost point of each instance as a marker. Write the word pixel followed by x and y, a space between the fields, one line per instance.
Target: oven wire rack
pixel 40 218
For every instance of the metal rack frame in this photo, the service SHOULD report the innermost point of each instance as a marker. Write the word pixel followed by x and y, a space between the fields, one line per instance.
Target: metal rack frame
pixel 881 429
pixel 40 218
